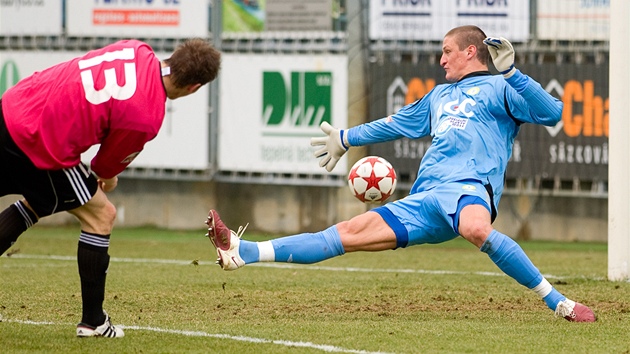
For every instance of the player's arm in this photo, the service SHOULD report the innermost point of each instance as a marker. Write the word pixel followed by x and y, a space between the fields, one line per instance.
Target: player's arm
pixel 116 152
pixel 528 101
pixel 108 184
pixel 412 121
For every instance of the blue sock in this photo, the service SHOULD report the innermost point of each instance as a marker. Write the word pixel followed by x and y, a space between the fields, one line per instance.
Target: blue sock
pixel 248 251
pixel 513 261
pixel 303 248
pixel 553 298
pixel 308 247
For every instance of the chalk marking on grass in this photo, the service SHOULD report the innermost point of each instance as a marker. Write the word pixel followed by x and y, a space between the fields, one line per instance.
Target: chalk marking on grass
pixel 286 343
pixel 326 348
pixel 286 266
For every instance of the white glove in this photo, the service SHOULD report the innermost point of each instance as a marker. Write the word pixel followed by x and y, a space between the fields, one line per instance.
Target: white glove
pixel 502 54
pixel 335 144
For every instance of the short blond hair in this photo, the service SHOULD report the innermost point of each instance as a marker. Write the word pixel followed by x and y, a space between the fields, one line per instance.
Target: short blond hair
pixel 471 35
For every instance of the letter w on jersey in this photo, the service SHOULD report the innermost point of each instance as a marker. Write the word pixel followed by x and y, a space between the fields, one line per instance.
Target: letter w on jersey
pixel 111 88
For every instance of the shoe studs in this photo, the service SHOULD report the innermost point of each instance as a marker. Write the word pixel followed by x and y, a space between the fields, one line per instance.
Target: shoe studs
pixel 207 222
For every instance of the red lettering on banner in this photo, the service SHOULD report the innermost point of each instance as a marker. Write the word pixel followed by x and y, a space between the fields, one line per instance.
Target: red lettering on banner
pixel 136 17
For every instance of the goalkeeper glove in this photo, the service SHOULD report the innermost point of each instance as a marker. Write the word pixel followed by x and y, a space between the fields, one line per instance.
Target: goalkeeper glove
pixel 335 144
pixel 502 54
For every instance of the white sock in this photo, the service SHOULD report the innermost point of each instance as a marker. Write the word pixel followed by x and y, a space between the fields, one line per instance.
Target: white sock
pixel 266 252
pixel 543 289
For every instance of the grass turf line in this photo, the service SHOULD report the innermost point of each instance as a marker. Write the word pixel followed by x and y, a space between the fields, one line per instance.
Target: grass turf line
pixel 395 311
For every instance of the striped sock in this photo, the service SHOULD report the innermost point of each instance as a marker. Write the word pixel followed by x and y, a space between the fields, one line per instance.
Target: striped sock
pixel 14 220
pixel 93 261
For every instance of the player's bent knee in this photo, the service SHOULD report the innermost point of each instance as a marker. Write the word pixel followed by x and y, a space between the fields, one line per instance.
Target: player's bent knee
pixel 103 222
pixel 96 217
pixel 475 232
pixel 109 213
pixel 344 228
pixel 360 223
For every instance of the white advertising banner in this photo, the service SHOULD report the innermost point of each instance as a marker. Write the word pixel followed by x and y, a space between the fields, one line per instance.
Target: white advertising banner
pixel 271 105
pixel 298 15
pixel 183 140
pixel 138 18
pixel 573 20
pixel 30 18
pixel 430 20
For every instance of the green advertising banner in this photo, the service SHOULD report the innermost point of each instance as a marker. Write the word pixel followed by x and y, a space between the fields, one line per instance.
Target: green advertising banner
pixel 271 105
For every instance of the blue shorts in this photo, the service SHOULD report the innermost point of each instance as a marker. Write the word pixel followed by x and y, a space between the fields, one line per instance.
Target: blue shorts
pixel 432 216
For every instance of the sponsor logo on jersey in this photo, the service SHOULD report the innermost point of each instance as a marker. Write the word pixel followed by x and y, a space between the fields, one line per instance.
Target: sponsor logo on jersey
pixel 460 108
pixel 451 122
pixel 455 110
pixel 473 91
pixel 130 158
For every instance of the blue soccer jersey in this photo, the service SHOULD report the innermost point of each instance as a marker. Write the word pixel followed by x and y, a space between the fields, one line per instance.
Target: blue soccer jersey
pixel 472 122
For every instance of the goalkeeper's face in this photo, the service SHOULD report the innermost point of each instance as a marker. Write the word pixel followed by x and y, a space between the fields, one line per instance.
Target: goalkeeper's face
pixel 454 60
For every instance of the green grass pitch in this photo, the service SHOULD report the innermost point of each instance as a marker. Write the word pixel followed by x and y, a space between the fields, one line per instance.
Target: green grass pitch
pixel 164 289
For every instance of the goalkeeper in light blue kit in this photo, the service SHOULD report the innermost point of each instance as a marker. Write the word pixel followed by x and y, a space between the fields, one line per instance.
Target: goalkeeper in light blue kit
pixel 473 121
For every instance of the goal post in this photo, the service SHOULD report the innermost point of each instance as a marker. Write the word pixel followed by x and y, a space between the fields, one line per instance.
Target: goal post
pixel 619 143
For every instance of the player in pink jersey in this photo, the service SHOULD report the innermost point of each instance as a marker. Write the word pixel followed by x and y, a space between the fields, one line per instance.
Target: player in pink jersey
pixel 114 96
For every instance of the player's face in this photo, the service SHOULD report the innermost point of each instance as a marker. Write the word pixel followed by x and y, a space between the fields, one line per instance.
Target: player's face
pixel 453 60
pixel 177 92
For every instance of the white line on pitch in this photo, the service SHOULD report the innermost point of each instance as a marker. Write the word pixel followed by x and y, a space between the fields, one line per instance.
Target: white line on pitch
pixel 286 343
pixel 281 266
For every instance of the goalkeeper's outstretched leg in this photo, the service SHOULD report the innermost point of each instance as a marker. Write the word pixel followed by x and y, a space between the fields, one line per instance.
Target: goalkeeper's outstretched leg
pixel 362 234
pixel 473 121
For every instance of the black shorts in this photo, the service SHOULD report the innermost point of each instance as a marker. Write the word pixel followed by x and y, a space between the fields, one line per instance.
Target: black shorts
pixel 47 192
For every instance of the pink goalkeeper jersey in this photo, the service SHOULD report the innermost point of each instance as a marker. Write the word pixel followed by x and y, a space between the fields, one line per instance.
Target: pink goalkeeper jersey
pixel 113 96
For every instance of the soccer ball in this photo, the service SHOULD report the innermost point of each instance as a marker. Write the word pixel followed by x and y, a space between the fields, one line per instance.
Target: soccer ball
pixel 372 179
